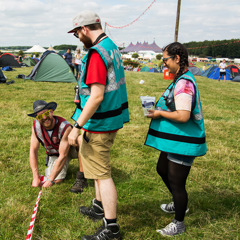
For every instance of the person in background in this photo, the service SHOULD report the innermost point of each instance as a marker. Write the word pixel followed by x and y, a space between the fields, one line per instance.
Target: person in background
pixel 222 67
pixel 177 130
pixel 78 62
pixel 102 112
pixel 52 133
pixel 68 58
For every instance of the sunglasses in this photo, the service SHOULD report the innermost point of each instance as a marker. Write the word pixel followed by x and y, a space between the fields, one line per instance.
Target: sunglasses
pixel 75 34
pixel 165 59
pixel 46 114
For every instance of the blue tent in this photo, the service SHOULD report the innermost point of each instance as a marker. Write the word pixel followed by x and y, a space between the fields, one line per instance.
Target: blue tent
pixel 208 71
pixel 153 70
pixel 216 73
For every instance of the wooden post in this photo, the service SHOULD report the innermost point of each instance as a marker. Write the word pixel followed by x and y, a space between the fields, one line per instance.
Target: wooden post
pixel 177 21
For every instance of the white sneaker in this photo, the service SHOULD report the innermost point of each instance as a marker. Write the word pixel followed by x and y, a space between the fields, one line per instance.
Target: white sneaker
pixel 172 229
pixel 170 208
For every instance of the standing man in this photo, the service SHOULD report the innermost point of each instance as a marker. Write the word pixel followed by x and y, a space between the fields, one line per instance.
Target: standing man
pixel 102 111
pixel 68 58
pixel 222 67
pixel 52 133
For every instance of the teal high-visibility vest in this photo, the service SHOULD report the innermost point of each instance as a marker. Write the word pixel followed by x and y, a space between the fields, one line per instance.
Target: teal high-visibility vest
pixel 175 137
pixel 113 110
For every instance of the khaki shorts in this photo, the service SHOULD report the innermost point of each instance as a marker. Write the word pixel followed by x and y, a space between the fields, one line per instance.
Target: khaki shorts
pixel 52 160
pixel 95 154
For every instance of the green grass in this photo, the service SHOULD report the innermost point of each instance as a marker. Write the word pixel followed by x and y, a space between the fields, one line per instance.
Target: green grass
pixel 213 183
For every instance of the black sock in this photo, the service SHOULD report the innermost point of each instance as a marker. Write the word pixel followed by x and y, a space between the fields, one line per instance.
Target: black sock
pixel 99 203
pixel 109 221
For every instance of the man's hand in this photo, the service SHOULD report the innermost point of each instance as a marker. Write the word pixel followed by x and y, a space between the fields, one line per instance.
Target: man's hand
pixel 72 137
pixel 36 182
pixel 47 184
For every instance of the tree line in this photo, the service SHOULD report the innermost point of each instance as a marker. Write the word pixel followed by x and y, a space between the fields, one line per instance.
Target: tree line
pixel 215 49
pixel 24 48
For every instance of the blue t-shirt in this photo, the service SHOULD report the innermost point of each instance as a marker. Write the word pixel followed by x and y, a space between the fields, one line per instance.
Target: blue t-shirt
pixel 68 58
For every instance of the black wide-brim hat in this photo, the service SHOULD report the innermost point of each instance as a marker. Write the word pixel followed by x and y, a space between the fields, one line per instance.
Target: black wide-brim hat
pixel 40 105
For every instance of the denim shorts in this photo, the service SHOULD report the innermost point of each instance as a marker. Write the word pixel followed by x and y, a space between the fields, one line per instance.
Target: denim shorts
pixel 181 159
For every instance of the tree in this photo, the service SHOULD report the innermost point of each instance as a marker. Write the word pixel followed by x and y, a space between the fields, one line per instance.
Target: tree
pixel 135 55
pixel 159 56
pixel 20 53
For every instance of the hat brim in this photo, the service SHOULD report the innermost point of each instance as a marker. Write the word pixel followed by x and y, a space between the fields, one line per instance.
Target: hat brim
pixel 51 105
pixel 73 30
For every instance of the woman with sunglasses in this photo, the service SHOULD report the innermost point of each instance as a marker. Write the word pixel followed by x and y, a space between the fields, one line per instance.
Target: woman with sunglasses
pixel 177 130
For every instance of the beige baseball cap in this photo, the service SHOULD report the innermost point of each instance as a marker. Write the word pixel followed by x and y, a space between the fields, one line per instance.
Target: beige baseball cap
pixel 85 18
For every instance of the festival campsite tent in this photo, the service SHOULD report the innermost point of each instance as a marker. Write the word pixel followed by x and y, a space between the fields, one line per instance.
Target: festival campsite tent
pixel 51 49
pixel 2 77
pixel 7 59
pixel 195 70
pixel 216 73
pixel 36 48
pixel 145 69
pixel 236 79
pixel 208 71
pixel 234 70
pixel 153 70
pixel 29 62
pixel 51 68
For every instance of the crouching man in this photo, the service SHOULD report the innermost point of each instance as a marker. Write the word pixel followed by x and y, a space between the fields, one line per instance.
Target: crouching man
pixel 52 133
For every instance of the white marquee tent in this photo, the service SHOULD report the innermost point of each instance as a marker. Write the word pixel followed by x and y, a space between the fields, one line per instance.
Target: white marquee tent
pixel 36 48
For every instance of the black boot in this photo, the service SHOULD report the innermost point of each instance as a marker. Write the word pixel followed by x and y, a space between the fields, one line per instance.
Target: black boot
pixel 107 231
pixel 94 212
pixel 80 183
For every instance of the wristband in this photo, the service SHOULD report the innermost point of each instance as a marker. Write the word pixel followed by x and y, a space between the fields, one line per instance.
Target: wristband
pixel 51 181
pixel 76 125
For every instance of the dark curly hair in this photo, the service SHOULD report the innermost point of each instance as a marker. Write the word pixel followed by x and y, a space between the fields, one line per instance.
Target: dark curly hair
pixel 174 49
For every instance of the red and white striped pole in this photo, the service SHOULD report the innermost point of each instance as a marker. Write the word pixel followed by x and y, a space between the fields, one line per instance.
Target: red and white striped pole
pixel 31 225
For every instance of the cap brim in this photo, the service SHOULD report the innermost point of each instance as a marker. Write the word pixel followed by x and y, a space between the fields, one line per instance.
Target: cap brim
pixel 72 31
pixel 51 105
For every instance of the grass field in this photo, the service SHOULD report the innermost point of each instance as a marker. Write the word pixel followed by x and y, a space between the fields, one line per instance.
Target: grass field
pixel 213 183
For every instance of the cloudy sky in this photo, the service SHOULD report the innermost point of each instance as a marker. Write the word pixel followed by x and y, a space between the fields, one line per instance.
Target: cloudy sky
pixel 46 22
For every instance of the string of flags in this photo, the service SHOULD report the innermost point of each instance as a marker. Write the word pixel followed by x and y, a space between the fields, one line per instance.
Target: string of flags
pixel 127 25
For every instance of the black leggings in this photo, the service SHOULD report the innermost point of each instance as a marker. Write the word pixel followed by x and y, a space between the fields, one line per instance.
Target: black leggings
pixel 174 176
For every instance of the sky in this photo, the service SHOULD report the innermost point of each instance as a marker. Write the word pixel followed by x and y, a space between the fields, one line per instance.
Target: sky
pixel 46 22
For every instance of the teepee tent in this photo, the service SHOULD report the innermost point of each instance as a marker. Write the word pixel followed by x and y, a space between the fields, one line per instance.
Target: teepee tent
pixel 36 48
pixel 51 68
pixel 51 49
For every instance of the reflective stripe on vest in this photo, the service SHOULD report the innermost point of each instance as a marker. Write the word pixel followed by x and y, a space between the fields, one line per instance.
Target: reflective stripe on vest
pixel 113 110
pixel 112 85
pixel 50 150
pixel 175 137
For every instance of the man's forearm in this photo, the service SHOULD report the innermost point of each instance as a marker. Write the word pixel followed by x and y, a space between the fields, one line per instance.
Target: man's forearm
pixel 58 166
pixel 34 164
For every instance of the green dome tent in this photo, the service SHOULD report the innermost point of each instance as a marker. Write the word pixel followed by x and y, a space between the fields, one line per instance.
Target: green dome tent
pixel 51 68
pixel 29 62
pixel 145 69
